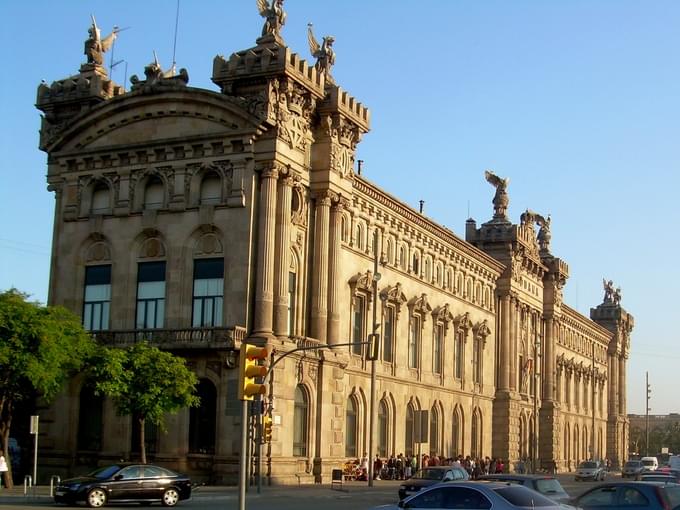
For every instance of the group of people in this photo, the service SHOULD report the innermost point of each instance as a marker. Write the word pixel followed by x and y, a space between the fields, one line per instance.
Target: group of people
pixel 402 467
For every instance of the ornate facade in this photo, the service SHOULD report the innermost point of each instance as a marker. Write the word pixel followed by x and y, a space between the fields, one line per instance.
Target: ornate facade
pixel 201 219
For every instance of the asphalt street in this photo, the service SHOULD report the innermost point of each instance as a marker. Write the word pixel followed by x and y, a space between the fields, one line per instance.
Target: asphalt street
pixel 352 496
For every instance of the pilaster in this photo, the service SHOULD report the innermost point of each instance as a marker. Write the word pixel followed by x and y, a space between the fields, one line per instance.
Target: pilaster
pixel 334 307
pixel 283 223
pixel 319 325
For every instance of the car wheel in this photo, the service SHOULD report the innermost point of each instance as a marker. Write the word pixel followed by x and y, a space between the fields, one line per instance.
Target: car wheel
pixel 96 498
pixel 170 497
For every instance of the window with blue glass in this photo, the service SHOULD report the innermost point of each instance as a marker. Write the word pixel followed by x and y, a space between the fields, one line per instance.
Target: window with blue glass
pixel 97 301
pixel 208 292
pixel 150 295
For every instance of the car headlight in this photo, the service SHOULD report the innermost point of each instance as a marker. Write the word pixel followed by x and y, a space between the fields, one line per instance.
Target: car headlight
pixel 402 487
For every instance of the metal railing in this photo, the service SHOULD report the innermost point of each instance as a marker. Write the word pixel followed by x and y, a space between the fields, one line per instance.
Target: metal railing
pixel 28 483
pixel 187 338
pixel 52 480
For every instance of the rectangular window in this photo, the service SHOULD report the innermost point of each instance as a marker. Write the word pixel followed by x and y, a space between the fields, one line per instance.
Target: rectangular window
pixel 413 342
pixel 97 301
pixel 458 372
pixel 292 297
pixel 388 334
pixel 150 295
pixel 359 320
pixel 208 293
pixel 437 350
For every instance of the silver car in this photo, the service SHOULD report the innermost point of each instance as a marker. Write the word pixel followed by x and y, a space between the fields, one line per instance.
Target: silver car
pixel 590 470
pixel 499 496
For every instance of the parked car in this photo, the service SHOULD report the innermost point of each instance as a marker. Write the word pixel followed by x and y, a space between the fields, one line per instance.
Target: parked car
pixel 483 495
pixel 590 470
pixel 632 469
pixel 430 476
pixel 549 486
pixel 675 473
pixel 125 483
pixel 637 495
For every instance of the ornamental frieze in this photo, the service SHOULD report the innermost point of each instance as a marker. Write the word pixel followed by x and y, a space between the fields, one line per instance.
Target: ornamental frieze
pixel 293 111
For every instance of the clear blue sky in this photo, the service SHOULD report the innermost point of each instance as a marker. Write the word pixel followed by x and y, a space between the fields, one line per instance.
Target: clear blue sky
pixel 577 102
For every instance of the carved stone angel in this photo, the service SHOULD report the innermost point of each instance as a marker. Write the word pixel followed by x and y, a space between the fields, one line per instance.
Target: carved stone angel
pixel 324 53
pixel 95 46
pixel 608 290
pixel 500 200
pixel 275 17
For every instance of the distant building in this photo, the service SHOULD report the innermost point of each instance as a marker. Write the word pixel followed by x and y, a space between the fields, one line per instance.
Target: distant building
pixel 200 219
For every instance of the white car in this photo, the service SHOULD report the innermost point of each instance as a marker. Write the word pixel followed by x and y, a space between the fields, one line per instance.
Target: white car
pixel 650 463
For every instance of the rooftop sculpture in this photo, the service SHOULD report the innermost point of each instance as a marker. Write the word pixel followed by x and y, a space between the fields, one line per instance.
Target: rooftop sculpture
pixel 274 15
pixel 500 200
pixel 611 295
pixel 95 46
pixel 324 53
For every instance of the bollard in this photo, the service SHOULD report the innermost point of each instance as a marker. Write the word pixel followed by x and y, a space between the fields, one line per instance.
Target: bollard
pixel 28 482
pixel 52 479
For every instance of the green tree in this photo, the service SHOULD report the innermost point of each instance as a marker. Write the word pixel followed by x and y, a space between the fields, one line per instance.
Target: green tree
pixel 145 383
pixel 40 346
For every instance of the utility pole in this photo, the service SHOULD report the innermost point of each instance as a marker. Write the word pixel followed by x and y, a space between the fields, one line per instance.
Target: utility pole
pixel 373 350
pixel 649 391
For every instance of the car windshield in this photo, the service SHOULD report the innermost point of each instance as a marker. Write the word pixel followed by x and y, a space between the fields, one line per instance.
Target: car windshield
pixel 549 486
pixel 430 474
pixel 632 464
pixel 521 496
pixel 588 465
pixel 104 472
pixel 648 462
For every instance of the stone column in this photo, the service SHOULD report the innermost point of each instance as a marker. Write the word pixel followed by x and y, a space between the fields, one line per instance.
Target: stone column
pixel 622 385
pixel 549 363
pixel 264 296
pixel 319 326
pixel 334 306
pixel 504 379
pixel 514 311
pixel 282 256
pixel 613 383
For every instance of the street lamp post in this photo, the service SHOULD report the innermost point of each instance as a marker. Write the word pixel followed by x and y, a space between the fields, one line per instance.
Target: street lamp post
pixel 373 355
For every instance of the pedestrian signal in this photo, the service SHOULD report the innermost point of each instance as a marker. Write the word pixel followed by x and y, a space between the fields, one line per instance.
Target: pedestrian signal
pixel 249 369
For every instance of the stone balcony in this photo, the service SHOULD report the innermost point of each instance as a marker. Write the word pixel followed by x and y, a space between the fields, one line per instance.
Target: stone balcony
pixel 189 338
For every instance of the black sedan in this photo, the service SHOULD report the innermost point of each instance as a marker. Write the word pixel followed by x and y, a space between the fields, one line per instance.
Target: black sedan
pixel 125 483
pixel 430 476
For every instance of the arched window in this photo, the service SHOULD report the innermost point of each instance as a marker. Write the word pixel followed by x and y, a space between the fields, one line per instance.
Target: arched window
pixel 101 199
pixel 211 189
pixel 153 193
pixel 343 228
pixel 428 270
pixel 434 432
pixel 202 419
pixel 383 431
pixel 408 440
pixel 402 258
pixel 351 428
pixel 300 422
pixel 416 264
pixel 576 450
pixel 585 445
pixel 360 241
pixel 476 435
pixel 90 423
pixel 567 442
pixel 457 433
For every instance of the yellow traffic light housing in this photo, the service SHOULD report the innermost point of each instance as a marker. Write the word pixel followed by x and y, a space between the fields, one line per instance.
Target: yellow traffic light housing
pixel 267 429
pixel 249 369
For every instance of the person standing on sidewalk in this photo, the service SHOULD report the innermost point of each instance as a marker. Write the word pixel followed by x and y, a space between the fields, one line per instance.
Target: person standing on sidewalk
pixel 3 468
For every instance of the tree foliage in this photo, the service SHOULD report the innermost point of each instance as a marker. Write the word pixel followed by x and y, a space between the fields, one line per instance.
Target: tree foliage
pixel 144 382
pixel 40 346
pixel 666 436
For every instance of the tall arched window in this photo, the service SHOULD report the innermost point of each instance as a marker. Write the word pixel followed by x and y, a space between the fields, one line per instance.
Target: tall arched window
pixel 211 189
pixel 90 423
pixel 434 432
pixel 476 435
pixel 567 443
pixel 383 431
pixel 300 422
pixel 408 442
pixel 457 433
pixel 153 193
pixel 402 257
pixel 576 450
pixel 202 419
pixel 416 264
pixel 351 428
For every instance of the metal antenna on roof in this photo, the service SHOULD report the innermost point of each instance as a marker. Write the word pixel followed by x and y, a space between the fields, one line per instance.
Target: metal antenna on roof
pixel 174 46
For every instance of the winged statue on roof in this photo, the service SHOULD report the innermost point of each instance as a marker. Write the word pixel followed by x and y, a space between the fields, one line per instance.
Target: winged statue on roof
pixel 500 199
pixel 324 53
pixel 274 15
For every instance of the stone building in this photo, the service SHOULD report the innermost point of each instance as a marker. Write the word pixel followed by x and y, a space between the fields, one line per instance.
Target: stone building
pixel 200 219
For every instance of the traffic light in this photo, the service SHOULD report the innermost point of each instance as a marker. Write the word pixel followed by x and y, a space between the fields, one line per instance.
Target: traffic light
pixel 373 351
pixel 267 429
pixel 250 369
